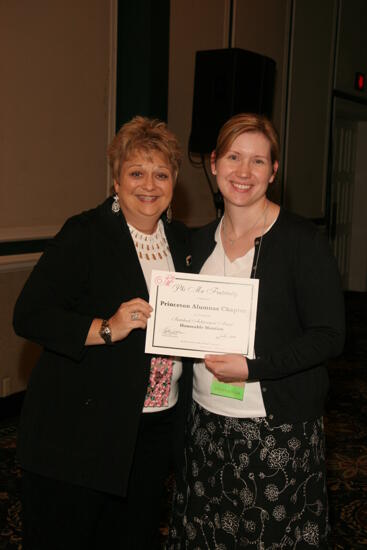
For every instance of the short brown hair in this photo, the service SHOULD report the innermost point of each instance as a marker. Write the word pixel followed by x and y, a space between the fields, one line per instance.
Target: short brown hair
pixel 145 135
pixel 247 122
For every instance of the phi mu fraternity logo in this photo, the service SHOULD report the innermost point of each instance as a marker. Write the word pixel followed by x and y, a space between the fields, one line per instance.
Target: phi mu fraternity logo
pixel 165 280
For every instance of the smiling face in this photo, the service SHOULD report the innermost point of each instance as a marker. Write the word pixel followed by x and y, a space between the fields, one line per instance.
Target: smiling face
pixel 144 189
pixel 244 172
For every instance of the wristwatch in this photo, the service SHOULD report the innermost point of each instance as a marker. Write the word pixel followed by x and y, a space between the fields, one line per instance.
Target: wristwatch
pixel 105 332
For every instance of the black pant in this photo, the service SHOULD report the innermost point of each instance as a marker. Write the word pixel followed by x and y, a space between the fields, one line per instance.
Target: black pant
pixel 60 516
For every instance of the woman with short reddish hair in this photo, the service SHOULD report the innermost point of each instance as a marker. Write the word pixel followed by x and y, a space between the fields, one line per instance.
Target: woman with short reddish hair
pixel 96 432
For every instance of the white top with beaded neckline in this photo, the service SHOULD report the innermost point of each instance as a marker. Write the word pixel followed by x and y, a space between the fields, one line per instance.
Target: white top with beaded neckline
pixel 152 246
pixel 153 253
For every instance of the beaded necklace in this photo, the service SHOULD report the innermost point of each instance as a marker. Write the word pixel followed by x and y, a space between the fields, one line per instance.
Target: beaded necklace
pixel 150 247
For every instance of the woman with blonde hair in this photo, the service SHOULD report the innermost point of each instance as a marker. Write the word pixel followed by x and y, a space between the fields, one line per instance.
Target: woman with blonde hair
pixel 95 438
pixel 254 474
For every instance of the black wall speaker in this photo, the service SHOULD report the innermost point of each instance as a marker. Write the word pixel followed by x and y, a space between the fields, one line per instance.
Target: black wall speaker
pixel 228 82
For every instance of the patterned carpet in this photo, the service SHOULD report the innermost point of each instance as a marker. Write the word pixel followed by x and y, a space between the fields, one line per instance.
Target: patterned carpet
pixel 10 535
pixel 346 428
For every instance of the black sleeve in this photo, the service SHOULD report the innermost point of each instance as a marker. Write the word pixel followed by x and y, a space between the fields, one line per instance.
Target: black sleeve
pixel 320 306
pixel 46 310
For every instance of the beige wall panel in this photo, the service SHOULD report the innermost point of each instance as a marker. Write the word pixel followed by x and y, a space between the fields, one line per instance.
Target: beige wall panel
pixel 309 106
pixel 262 26
pixel 17 356
pixel 55 110
pixel 194 25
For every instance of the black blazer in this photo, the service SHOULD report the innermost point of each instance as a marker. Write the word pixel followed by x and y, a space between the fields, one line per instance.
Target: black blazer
pixel 82 407
pixel 300 315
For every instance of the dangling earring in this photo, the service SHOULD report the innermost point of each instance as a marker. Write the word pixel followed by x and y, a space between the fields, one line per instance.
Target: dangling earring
pixel 169 214
pixel 115 205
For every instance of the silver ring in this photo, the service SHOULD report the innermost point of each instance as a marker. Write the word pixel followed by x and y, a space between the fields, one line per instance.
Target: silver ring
pixel 134 316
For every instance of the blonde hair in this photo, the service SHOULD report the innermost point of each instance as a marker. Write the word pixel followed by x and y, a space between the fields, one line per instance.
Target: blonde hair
pixel 247 122
pixel 142 134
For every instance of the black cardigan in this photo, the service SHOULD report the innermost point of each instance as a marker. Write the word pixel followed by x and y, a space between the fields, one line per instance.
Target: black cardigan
pixel 82 407
pixel 300 318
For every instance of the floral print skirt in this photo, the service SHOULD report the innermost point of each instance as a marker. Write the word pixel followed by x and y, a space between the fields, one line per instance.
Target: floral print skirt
pixel 247 484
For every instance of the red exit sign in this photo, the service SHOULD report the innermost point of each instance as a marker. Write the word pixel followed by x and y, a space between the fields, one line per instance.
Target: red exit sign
pixel 359 82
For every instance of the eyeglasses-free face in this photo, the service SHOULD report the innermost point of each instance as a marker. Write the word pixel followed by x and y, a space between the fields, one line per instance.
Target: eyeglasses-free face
pixel 145 189
pixel 245 171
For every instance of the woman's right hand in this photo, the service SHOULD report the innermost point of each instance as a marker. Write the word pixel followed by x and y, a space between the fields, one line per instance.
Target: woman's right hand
pixel 130 315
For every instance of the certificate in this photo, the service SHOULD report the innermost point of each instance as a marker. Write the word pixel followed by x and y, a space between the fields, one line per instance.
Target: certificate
pixel 196 315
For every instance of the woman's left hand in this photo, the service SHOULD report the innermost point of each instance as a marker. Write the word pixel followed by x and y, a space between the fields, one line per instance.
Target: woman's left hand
pixel 227 368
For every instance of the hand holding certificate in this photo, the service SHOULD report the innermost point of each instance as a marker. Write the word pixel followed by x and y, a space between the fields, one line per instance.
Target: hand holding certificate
pixel 197 315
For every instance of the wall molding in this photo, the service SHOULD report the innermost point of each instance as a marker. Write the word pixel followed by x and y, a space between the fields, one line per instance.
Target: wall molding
pixel 28 233
pixel 18 262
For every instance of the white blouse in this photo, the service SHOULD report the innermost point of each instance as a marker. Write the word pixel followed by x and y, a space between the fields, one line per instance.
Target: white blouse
pixel 252 404
pixel 153 253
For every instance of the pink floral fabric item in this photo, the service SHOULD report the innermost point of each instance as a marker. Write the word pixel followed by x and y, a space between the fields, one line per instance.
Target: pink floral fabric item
pixel 159 386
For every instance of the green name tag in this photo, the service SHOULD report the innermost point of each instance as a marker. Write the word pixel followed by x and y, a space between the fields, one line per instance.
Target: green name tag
pixel 228 390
